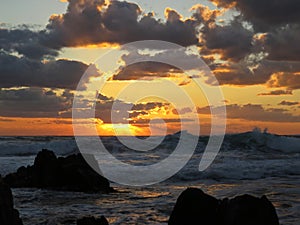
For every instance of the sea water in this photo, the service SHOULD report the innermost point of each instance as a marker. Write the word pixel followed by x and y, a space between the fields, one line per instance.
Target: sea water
pixel 254 162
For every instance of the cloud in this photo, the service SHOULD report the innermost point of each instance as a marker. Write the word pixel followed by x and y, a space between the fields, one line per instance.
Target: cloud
pixel 110 110
pixel 233 41
pixel 241 73
pixel 285 79
pixel 267 32
pixel 32 102
pixel 288 103
pixel 125 112
pixel 182 111
pixel 259 46
pixel 49 103
pixel 141 122
pixel 283 43
pixel 237 54
pixel 205 15
pixel 25 42
pixel 94 22
pixel 152 67
pixel 255 112
pixel 98 22
pixel 269 72
pixel 20 72
pixel 149 105
pixel 277 92
pixel 145 69
pixel 265 14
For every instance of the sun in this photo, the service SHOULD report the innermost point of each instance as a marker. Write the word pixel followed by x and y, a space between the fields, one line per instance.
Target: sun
pixel 120 130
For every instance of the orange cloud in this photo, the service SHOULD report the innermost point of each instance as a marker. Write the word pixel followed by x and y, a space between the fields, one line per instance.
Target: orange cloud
pixel 205 13
pixel 285 79
pixel 225 4
pixel 172 15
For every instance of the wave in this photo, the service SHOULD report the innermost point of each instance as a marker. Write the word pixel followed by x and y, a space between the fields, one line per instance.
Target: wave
pixel 233 167
pixel 250 155
pixel 27 146
pixel 263 140
pixel 255 140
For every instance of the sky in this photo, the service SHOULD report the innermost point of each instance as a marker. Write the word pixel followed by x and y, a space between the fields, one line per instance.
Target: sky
pixel 250 47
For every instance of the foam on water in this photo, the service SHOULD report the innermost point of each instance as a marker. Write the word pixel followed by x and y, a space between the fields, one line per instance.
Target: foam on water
pixel 23 146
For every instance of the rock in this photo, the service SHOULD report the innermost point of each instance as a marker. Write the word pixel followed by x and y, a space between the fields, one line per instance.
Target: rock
pixel 71 173
pixel 8 215
pixel 193 207
pixel 248 210
pixel 92 221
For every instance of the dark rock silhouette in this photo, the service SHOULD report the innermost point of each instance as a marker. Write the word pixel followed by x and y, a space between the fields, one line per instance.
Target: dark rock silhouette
pixel 8 215
pixel 71 173
pixel 248 210
pixel 92 221
pixel 193 207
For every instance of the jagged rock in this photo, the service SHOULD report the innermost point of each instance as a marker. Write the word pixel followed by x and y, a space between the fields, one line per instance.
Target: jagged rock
pixel 193 207
pixel 71 173
pixel 92 221
pixel 8 215
pixel 248 210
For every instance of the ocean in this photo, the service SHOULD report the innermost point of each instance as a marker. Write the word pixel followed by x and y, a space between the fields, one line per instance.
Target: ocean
pixel 255 162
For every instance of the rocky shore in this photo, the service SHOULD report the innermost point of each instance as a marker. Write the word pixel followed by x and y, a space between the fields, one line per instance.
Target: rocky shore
pixel 194 207
pixel 72 173
pixel 8 214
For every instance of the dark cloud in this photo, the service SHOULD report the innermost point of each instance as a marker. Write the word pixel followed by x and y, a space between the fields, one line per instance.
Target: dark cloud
pixel 283 43
pixel 288 103
pixel 272 31
pixel 141 122
pixel 204 110
pixel 254 112
pixel 92 22
pixel 152 67
pixel 141 110
pixel 110 110
pixel 124 112
pixel 145 69
pixel 265 14
pixel 149 106
pixel 269 72
pixel 19 72
pixel 117 22
pixel 233 41
pixel 181 111
pixel 32 102
pixel 45 103
pixel 24 42
pixel 241 73
pixel 249 57
pixel 136 114
pixel 277 92
pixel 95 22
